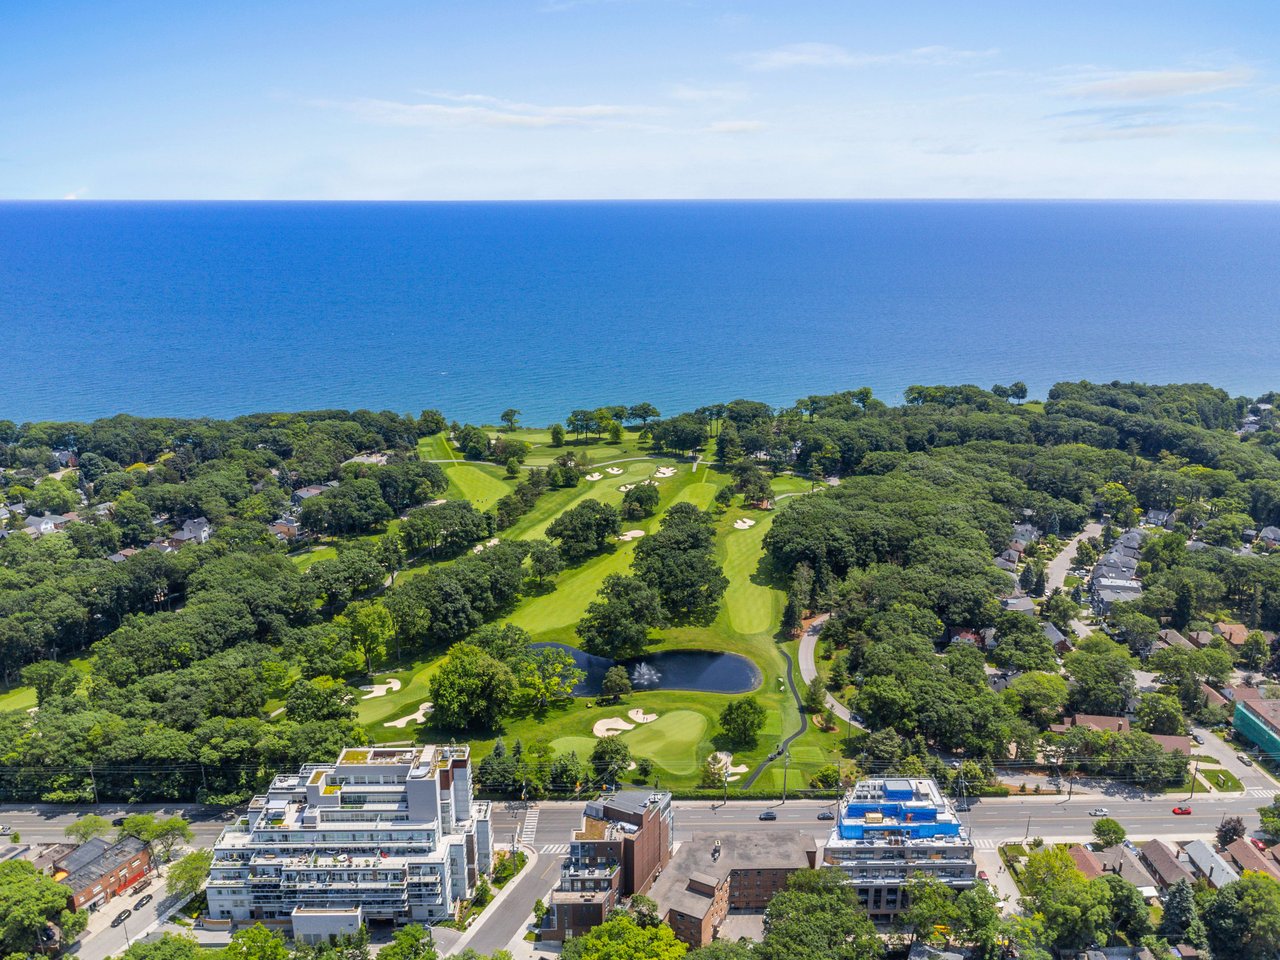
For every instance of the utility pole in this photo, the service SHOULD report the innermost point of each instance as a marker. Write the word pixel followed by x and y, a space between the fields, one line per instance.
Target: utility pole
pixel 1195 773
pixel 94 782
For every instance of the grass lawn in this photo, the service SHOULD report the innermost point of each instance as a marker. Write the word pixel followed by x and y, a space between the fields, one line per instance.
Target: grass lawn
pixel 24 698
pixel 1223 780
pixel 437 447
pixel 481 483
pixel 595 449
pixel 789 483
pixel 306 558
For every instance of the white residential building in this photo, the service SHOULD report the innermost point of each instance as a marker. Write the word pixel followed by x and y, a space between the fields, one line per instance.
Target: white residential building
pixel 889 829
pixel 386 834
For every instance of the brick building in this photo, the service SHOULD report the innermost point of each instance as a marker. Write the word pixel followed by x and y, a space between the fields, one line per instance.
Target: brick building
pixel 101 869
pixel 622 846
pixel 710 878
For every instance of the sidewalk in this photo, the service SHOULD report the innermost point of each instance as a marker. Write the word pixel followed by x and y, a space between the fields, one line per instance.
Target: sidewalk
pixel 507 915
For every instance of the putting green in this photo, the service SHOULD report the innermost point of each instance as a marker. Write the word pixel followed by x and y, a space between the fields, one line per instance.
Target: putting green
pixel 582 746
pixel 482 484
pixel 672 741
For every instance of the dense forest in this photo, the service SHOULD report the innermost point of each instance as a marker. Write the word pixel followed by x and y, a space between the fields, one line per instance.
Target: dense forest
pixel 160 670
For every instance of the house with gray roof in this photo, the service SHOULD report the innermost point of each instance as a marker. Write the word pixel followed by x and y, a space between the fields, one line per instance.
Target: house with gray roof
pixel 1210 864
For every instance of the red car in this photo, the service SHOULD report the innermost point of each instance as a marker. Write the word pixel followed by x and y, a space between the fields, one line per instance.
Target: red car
pixel 1182 811
pixel 1258 844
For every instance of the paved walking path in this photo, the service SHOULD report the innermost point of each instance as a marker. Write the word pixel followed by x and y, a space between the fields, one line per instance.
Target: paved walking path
pixel 809 668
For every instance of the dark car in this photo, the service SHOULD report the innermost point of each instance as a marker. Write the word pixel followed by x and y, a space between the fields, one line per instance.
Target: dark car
pixel 142 902
pixel 826 815
pixel 768 815
pixel 118 822
pixel 121 917
pixel 1182 811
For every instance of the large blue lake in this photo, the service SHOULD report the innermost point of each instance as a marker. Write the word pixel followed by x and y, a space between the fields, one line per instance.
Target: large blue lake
pixel 218 309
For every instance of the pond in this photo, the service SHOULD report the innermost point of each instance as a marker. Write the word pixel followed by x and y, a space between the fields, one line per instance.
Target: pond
pixel 670 670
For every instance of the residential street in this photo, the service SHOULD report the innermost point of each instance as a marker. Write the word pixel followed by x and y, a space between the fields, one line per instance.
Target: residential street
pixel 1056 570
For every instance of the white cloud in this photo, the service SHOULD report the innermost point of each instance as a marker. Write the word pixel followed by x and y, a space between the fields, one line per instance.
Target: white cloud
pixel 719 94
pixel 736 126
pixel 832 55
pixel 1153 84
pixel 482 110
pixel 76 194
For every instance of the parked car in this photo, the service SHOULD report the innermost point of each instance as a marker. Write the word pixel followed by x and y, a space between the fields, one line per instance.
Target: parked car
pixel 1258 845
pixel 142 902
pixel 826 815
pixel 121 917
pixel 1182 811
pixel 982 875
pixel 1245 759
pixel 118 822
pixel 1099 812
pixel 768 815
pixel 1197 738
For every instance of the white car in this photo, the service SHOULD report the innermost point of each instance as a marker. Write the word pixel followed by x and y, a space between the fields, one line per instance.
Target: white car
pixel 1099 812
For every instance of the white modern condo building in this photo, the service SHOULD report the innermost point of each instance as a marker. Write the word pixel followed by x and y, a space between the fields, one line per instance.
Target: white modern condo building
pixel 388 834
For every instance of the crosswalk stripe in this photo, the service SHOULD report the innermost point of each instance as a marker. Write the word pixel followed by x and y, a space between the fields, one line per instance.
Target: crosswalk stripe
pixel 530 826
pixel 554 848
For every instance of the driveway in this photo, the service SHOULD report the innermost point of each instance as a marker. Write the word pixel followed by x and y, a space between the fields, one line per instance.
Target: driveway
pixel 809 668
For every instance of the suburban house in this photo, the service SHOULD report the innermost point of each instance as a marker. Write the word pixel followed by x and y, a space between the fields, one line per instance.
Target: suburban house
pixel 1245 856
pixel 49 523
pixel 710 878
pixel 286 528
pixel 1085 861
pixel 1171 638
pixel 122 555
pixel 1169 744
pixel 198 530
pixel 1234 633
pixel 1209 864
pixel 1158 518
pixel 101 869
pixel 1269 537
pixel 1019 604
pixel 66 458
pixel 1163 863
pixel 303 494
pixel 622 846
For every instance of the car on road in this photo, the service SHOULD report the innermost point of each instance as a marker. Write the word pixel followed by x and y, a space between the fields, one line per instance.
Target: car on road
pixel 142 902
pixel 982 875
pixel 1245 759
pixel 1197 738
pixel 1099 812
pixel 1182 811
pixel 4 828
pixel 768 815
pixel 121 917
pixel 826 815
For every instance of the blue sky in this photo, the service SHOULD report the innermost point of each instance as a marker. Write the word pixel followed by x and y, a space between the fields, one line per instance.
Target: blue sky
pixel 473 99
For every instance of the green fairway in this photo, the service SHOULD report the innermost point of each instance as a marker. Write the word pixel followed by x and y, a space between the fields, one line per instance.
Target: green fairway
pixel 751 604
pixel 18 698
pixel 306 558
pixel 481 483
pixel 675 741
pixel 582 746
pixel 437 447
pixel 374 712
pixel 594 449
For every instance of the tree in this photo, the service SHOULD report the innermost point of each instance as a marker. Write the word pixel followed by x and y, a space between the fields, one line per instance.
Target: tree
pixel 544 560
pixel 1230 830
pixel 616 683
pixel 644 768
pixel 930 905
pixel 320 699
pixel 412 942
pixel 679 563
pixel 584 529
pixel 1256 650
pixel 640 501
pixel 815 695
pixel 557 435
pixel 742 720
pixel 186 876
pixel 1021 643
pixel 1108 832
pixel 620 937
pixel 817 917
pixel 1038 696
pixel 29 901
pixel 256 943
pixel 471 689
pixel 1180 922
pixel 370 626
pixel 644 412
pixel 1129 911
pixel 168 947
pixel 510 417
pixel 547 675
pixel 1270 816
pixel 52 496
pixel 1075 911
pixel 51 679
pixel 610 757
pixel 87 827
pixel 617 624
pixel 1243 918
pixel 1161 714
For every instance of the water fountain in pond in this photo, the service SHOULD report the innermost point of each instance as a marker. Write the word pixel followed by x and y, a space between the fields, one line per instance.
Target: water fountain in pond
pixel 644 675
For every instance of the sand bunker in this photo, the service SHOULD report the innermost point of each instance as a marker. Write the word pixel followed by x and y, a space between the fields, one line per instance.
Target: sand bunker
pixel 662 472
pixel 627 486
pixel 381 689
pixel 611 725
pixel 639 716
pixel 616 471
pixel 650 483
pixel 421 715
pixel 723 762
pixel 746 523
pixel 629 535
pixel 595 476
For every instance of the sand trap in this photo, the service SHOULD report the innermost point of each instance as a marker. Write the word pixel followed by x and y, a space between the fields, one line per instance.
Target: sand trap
pixel 595 476
pixel 665 472
pixel 611 725
pixel 381 689
pixel 627 486
pixel 494 542
pixel 723 761
pixel 629 535
pixel 477 548
pixel 746 523
pixel 421 715
pixel 616 471
pixel 650 483
pixel 639 716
